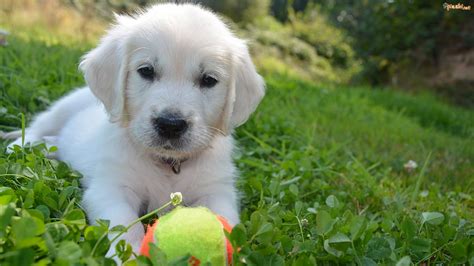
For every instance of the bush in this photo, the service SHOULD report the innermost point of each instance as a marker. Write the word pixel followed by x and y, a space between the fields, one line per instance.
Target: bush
pixel 387 34
pixel 328 41
pixel 324 56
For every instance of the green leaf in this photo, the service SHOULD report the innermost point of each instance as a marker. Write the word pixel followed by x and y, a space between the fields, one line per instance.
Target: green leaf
pixel 433 218
pixel 287 243
pixel 264 233
pixel 419 247
pixel 405 261
pixel 470 232
pixel 332 250
pixel 6 214
pixel 387 225
pixel 458 250
pixel 157 256
pixel 265 260
pixel 123 250
pixel 69 251
pixel 75 217
pixel 238 235
pixel 7 195
pixel 65 194
pixel 118 228
pixel 339 238
pixel 49 243
pixel 339 241
pixel 105 224
pixel 44 210
pixel 25 230
pixel 378 248
pixel 358 225
pixel 275 260
pixel 24 256
pixel 62 170
pixel 294 189
pixel 368 262
pixel 35 213
pixel 132 262
pixel 53 149
pixel 50 202
pixel 29 199
pixel 57 231
pixel 408 227
pixel 324 223
pixel 332 201
pixel 298 207
pixel 94 232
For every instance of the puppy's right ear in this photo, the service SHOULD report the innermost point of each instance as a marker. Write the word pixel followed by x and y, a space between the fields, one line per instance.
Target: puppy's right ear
pixel 105 70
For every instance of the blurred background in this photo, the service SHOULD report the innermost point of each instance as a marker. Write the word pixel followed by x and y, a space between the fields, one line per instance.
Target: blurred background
pixel 407 44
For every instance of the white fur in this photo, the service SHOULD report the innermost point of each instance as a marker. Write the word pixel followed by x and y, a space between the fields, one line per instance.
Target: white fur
pixel 111 140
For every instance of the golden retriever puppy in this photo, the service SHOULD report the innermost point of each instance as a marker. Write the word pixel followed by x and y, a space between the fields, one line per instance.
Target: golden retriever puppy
pixel 166 88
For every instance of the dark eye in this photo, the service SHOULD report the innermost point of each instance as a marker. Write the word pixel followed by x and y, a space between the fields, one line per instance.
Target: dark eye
pixel 207 81
pixel 146 72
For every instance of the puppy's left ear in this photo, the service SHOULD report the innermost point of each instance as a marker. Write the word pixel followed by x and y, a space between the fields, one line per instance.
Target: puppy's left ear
pixel 246 92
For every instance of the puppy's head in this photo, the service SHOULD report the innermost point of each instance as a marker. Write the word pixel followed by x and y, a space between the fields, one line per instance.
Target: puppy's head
pixel 175 77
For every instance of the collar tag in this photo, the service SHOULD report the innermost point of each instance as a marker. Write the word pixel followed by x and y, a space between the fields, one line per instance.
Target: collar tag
pixel 174 164
pixel 176 167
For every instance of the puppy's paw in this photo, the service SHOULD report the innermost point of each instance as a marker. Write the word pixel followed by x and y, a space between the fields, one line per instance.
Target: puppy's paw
pixel 10 135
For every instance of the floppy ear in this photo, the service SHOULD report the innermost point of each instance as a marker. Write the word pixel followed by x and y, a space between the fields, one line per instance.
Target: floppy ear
pixel 246 90
pixel 105 70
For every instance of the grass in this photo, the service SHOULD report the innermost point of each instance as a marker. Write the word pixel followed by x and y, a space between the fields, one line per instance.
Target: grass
pixel 322 174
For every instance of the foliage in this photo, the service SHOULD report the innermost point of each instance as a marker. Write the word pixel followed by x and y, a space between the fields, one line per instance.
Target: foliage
pixel 332 186
pixel 41 218
pixel 399 42
pixel 26 85
pixel 390 35
pixel 328 41
pixel 243 11
pixel 279 10
pixel 322 175
pixel 321 57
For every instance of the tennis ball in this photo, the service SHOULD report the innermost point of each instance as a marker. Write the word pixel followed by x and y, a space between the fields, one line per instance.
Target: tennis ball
pixel 191 231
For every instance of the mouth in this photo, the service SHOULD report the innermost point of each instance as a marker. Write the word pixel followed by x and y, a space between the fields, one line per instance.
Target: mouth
pixel 169 144
pixel 171 148
pixel 177 149
pixel 185 146
pixel 168 147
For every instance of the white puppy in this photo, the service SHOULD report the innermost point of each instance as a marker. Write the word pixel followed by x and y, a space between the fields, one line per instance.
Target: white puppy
pixel 173 82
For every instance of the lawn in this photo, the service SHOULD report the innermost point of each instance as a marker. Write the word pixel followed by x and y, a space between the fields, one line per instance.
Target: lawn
pixel 322 173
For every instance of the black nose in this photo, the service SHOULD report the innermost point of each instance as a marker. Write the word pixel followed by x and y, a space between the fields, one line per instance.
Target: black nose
pixel 170 126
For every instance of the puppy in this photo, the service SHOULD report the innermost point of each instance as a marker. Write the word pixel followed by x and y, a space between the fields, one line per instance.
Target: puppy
pixel 166 88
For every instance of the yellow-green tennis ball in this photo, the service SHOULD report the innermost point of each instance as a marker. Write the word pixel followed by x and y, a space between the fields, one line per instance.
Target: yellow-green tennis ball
pixel 191 231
